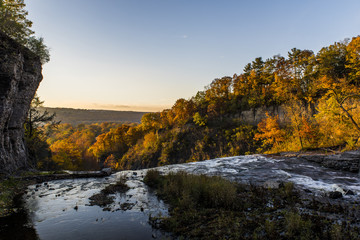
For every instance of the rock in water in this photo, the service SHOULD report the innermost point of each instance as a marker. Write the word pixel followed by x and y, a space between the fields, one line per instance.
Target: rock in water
pixel 335 195
pixel 20 76
pixel 349 192
pixel 106 171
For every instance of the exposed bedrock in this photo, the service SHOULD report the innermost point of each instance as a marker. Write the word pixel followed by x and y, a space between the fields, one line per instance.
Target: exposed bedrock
pixel 347 161
pixel 20 76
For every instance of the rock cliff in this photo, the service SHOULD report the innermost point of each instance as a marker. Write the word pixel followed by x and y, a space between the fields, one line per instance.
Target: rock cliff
pixel 20 75
pixel 253 117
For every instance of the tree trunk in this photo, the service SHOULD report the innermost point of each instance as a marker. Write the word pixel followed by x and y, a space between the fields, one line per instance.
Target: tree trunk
pixel 349 115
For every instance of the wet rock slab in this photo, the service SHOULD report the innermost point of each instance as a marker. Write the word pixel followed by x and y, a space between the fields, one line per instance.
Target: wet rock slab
pixel 347 161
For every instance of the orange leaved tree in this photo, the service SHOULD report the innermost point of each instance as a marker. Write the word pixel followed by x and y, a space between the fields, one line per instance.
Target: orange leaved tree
pixel 269 131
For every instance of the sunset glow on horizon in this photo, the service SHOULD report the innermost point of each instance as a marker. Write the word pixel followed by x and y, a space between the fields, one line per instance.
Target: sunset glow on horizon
pixel 143 55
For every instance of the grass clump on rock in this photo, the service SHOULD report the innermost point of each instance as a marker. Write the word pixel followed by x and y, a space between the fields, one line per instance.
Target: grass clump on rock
pixel 210 207
pixel 184 190
pixel 103 198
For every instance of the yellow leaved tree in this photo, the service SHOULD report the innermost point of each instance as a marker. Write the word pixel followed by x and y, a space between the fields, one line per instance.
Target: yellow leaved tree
pixel 338 114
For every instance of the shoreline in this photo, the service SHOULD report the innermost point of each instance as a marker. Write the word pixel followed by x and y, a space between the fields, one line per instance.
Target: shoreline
pixel 16 185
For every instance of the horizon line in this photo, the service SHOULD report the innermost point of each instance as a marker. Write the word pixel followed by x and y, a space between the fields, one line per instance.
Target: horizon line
pixel 110 107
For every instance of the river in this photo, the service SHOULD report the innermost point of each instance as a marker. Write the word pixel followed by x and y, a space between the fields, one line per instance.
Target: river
pixel 60 209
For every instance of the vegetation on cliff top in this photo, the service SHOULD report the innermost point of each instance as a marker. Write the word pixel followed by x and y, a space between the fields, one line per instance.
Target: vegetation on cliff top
pixel 14 23
pixel 316 94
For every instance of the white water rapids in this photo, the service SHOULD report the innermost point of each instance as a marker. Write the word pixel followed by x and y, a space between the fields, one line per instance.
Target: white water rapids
pixel 60 209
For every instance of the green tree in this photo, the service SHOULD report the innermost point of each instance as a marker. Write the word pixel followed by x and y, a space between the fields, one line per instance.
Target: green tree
pixel 331 60
pixel 38 46
pixel 35 136
pixel 37 118
pixel 13 22
pixel 302 70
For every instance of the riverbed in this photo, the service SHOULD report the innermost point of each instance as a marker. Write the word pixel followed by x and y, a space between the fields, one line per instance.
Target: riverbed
pixel 60 209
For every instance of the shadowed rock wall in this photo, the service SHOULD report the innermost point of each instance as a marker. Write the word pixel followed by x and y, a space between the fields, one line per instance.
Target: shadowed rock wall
pixel 20 75
pixel 253 117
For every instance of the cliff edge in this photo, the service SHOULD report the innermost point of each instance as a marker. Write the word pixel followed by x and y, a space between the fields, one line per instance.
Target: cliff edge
pixel 20 76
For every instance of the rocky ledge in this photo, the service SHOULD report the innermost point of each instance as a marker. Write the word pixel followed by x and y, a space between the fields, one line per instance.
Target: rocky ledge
pixel 346 161
pixel 48 176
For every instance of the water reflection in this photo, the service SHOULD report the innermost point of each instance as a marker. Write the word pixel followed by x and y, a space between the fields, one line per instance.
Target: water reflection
pixel 94 223
pixel 60 210
pixel 17 226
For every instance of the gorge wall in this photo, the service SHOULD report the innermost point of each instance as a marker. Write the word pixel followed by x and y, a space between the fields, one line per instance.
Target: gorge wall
pixel 20 76
pixel 254 117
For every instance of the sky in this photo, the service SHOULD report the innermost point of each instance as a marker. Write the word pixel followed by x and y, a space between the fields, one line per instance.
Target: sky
pixel 143 55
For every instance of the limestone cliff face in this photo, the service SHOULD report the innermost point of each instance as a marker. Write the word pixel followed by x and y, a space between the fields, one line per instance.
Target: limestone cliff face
pixel 253 117
pixel 20 75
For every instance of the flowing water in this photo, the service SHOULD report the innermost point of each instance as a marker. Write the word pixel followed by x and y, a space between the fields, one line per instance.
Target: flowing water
pixel 60 209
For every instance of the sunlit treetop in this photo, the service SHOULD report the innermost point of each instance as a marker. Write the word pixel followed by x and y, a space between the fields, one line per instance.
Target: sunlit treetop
pixel 14 23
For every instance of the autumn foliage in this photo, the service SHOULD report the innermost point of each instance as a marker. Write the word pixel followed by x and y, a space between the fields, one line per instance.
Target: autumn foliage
pixel 317 94
pixel 269 130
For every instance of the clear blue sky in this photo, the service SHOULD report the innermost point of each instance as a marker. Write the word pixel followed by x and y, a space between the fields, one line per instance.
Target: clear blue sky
pixel 145 54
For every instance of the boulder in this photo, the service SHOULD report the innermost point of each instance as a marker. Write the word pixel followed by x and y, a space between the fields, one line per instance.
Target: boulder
pixel 273 184
pixel 106 171
pixel 349 192
pixel 335 195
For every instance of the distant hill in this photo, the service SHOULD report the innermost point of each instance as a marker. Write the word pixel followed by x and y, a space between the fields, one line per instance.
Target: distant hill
pixel 77 116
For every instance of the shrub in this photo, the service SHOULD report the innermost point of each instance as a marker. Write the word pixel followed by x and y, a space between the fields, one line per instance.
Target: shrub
pixel 296 227
pixel 186 190
pixel 153 178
